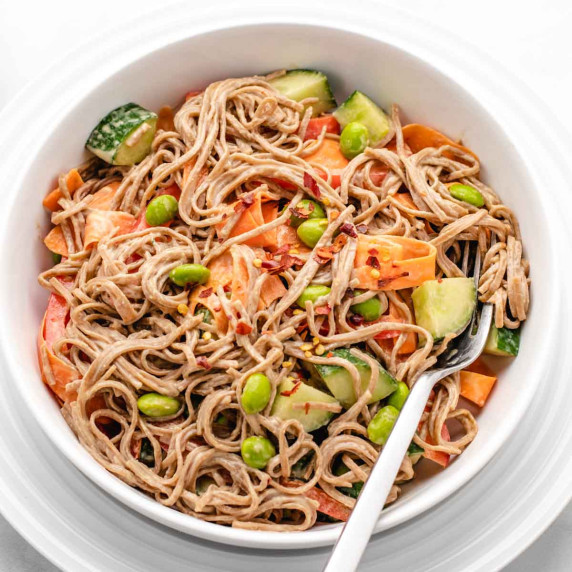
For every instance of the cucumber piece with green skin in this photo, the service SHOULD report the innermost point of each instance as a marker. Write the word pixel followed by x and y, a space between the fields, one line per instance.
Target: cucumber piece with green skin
pixel 301 393
pixel 444 306
pixel 300 84
pixel 360 108
pixel 340 383
pixel 124 136
pixel 503 342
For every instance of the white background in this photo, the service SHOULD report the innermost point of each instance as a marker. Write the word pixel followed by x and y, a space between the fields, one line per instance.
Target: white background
pixel 532 39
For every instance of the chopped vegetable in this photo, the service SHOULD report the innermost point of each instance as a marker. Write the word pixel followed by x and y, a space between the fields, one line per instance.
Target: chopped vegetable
pixel 124 136
pixel 352 491
pixel 73 183
pixel 317 124
pixel 290 403
pixel 420 137
pixel 329 155
pixel 100 224
pixel 370 310
pixel 300 84
pixel 340 382
pixel 445 306
pixel 386 262
pixel 358 107
pixel 476 387
pixel 161 209
pixel 439 457
pixel 398 398
pixel 503 342
pixel 306 210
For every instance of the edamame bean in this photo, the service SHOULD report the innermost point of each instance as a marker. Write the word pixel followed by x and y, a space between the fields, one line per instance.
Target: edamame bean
pixel 311 230
pixel 257 451
pixel 467 194
pixel 315 209
pixel 399 396
pixel 370 310
pixel 354 139
pixel 380 426
pixel 312 293
pixel 256 393
pixel 161 210
pixel 157 405
pixel 186 273
pixel 57 258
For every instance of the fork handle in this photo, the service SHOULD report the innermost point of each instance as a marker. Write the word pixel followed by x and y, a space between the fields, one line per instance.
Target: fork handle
pixel 355 535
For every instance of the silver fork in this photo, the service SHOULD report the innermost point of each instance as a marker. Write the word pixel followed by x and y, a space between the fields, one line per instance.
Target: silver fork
pixel 355 535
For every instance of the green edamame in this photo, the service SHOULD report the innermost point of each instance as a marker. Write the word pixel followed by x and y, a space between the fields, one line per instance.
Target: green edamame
pixel 381 425
pixel 257 451
pixel 186 273
pixel 161 210
pixel 370 310
pixel 467 194
pixel 312 293
pixel 315 209
pixel 206 313
pixel 399 396
pixel 256 393
pixel 57 258
pixel 354 139
pixel 157 405
pixel 311 230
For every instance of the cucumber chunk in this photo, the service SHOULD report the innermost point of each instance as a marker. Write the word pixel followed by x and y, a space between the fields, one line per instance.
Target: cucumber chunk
pixel 300 84
pixel 124 136
pixel 339 381
pixel 503 342
pixel 310 418
pixel 445 306
pixel 359 107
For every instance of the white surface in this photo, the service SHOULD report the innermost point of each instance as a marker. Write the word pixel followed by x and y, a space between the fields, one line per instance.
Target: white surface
pixel 35 59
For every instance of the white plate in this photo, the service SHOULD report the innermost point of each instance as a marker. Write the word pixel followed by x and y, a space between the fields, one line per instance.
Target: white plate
pixel 401 546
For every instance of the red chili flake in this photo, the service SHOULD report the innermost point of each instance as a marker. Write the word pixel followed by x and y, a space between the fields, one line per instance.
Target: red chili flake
pixel 289 392
pixel 203 362
pixel 349 229
pixel 373 251
pixel 303 326
pixel 311 185
pixel 282 250
pixel 362 228
pixel 304 212
pixel 205 293
pixel 385 281
pixel 324 329
pixel 287 261
pixel 373 262
pixel 272 266
pixel 243 329
pixel 306 408
pixel 244 201
pixel 356 320
pixel 323 255
pixel 323 310
pixel 330 355
pixel 227 288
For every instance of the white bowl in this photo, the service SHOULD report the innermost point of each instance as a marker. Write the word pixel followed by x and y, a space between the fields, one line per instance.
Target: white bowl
pixel 386 73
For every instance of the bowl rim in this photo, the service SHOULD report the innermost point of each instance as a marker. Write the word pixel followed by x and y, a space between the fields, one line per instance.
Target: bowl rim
pixel 148 507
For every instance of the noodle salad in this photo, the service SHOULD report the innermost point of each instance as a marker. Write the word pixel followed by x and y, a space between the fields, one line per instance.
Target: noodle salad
pixel 245 289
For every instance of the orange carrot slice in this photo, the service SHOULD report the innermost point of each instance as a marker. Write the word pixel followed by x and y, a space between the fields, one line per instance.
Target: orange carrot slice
pixel 420 137
pixel 286 235
pixel 260 212
pixel 386 262
pixel 103 198
pixel 100 224
pixel 317 124
pixel 329 155
pixel 73 182
pixel 476 387
pixel 328 505
pixel 56 242
pixel 388 337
